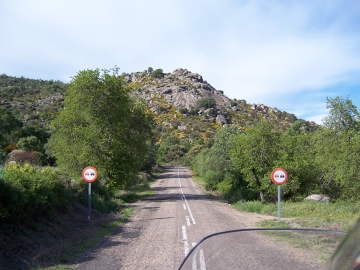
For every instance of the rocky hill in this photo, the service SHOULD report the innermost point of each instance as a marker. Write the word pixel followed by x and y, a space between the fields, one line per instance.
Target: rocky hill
pixel 184 104
pixel 190 94
pixel 32 99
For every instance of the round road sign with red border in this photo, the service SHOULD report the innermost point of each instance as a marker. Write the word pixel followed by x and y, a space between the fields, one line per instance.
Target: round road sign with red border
pixel 89 174
pixel 279 176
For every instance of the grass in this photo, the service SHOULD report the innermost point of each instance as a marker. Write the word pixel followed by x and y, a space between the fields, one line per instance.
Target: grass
pixel 333 216
pixel 338 216
pixel 320 243
pixel 84 242
pixel 135 193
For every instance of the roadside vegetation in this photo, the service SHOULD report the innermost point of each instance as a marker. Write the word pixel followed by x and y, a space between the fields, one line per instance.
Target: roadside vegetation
pixel 50 131
pixel 101 126
pixel 238 163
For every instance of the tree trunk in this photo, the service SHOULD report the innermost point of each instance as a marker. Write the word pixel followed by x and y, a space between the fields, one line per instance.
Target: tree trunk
pixel 257 182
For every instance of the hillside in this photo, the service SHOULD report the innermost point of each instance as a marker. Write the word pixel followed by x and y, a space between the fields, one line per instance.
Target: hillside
pixel 31 99
pixel 187 106
pixel 184 105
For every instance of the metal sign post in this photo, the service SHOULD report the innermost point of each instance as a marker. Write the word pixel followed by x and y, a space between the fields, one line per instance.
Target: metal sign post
pixel 89 174
pixel 89 201
pixel 279 176
pixel 279 202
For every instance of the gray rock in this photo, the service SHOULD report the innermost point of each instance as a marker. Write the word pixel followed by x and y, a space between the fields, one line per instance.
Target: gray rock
pixel 318 198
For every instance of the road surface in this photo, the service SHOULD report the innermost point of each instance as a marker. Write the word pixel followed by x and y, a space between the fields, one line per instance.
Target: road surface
pixel 167 225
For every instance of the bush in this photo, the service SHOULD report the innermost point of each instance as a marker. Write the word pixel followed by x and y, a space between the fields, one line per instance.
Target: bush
pixel 29 143
pixel 207 103
pixel 212 178
pixel 26 193
pixel 30 157
pixel 158 73
pixel 2 156
pixel 183 110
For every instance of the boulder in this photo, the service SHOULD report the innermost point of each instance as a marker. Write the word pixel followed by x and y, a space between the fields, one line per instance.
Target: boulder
pixel 318 198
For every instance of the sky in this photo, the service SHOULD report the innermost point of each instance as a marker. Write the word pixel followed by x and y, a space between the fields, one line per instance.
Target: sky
pixel 291 55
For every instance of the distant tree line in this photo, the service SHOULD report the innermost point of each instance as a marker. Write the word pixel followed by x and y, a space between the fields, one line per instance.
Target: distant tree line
pixel 239 162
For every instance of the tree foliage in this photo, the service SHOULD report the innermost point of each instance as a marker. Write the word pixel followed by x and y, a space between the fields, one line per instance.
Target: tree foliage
pixel 101 126
pixel 324 160
pixel 206 103
pixel 343 115
pixel 157 73
pixel 214 164
pixel 8 125
pixel 254 154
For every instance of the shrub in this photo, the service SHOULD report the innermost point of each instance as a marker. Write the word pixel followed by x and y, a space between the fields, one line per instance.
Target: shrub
pixel 2 156
pixel 183 110
pixel 158 73
pixel 29 143
pixel 30 157
pixel 206 103
pixel 26 193
pixel 10 147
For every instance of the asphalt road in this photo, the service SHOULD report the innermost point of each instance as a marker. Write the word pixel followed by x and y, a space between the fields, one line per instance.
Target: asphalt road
pixel 166 226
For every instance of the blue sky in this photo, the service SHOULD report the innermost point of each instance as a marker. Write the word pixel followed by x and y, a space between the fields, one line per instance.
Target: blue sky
pixel 285 54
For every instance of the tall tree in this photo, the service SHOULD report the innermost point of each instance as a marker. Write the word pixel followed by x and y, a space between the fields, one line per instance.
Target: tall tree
pixel 254 154
pixel 343 115
pixel 8 124
pixel 101 126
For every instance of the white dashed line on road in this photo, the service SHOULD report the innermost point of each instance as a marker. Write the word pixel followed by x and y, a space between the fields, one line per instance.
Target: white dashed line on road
pixel 185 241
pixel 188 221
pixel 182 193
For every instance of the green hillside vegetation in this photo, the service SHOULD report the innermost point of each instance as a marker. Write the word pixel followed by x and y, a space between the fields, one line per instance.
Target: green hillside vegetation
pixel 23 89
pixel 128 124
pixel 234 158
pixel 325 161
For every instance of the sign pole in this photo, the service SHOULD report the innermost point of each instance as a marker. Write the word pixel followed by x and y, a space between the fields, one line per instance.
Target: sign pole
pixel 89 174
pixel 89 202
pixel 279 201
pixel 279 177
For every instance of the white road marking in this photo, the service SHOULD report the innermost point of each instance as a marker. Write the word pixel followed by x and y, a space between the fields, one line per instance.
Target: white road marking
pixel 193 244
pixel 194 266
pixel 188 207
pixel 188 221
pixel 202 260
pixel 192 218
pixel 186 245
pixel 184 206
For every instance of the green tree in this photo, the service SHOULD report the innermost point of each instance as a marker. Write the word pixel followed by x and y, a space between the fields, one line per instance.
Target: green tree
pixel 254 154
pixel 8 125
pixel 157 73
pixel 338 163
pixel 213 164
pixel 343 115
pixel 101 126
pixel 207 103
pixel 29 143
